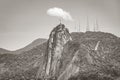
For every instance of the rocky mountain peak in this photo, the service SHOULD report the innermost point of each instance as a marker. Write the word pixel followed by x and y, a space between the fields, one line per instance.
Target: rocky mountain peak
pixel 57 39
pixel 60 33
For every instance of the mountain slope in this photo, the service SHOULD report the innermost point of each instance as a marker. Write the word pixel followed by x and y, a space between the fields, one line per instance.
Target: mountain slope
pixel 19 66
pixel 31 45
pixel 2 51
pixel 89 56
pixel 91 61
pixel 26 48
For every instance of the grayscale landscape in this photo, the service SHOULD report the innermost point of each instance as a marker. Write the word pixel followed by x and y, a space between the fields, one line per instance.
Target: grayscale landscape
pixel 59 40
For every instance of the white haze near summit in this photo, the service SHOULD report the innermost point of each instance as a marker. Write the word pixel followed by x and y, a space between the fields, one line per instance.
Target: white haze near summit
pixel 60 13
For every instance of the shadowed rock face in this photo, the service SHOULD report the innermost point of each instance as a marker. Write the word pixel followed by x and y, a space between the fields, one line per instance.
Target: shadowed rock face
pixel 57 39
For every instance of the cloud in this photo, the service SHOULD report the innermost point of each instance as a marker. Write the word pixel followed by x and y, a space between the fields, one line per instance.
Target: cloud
pixel 60 13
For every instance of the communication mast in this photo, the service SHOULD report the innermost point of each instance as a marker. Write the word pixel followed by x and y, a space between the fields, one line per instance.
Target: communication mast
pixel 79 26
pixel 87 27
pixel 75 27
pixel 96 25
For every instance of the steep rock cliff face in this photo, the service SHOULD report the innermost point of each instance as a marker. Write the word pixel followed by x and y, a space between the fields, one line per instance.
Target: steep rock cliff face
pixel 57 39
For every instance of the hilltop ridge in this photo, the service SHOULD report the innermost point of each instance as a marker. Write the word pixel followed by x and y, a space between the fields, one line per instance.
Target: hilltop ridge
pixel 75 56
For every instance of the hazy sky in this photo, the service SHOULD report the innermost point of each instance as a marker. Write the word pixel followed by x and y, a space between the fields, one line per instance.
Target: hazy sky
pixel 22 21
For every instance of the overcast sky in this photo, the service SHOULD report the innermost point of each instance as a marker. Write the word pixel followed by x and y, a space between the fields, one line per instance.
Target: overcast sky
pixel 22 21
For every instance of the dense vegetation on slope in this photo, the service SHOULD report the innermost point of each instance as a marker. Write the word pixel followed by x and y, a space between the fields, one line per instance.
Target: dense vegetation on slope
pixel 105 63
pixel 21 66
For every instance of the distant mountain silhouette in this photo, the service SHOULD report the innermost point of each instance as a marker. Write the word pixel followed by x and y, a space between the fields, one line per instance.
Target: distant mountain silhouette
pixel 88 56
pixel 31 45
pixel 2 51
pixel 26 48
